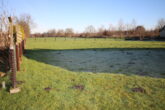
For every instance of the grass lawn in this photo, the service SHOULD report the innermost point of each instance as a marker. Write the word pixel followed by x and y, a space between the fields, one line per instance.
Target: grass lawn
pixel 48 87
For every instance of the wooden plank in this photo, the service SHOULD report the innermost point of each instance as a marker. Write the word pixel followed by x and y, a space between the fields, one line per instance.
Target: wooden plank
pixel 2 74
pixel 19 34
pixel 14 90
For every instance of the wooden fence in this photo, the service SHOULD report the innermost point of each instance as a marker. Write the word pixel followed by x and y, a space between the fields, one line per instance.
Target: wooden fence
pixel 14 47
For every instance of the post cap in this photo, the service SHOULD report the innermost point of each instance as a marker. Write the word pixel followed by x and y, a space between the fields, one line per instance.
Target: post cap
pixel 10 19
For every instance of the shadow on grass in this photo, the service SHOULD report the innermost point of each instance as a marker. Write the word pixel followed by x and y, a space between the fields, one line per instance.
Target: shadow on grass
pixel 129 61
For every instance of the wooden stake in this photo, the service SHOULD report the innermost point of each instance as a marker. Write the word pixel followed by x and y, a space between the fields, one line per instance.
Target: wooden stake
pixel 23 46
pixel 3 85
pixel 18 58
pixel 12 54
pixel 20 51
pixel 13 66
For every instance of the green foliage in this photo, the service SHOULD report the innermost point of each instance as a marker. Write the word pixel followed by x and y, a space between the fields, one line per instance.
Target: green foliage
pixel 101 91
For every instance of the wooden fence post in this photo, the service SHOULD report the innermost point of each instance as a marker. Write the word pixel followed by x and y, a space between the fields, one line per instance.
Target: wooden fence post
pixel 12 55
pixel 17 57
pixel 23 45
pixel 20 51
pixel 13 66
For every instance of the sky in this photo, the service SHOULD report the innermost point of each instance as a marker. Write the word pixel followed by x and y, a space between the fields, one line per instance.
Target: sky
pixel 78 14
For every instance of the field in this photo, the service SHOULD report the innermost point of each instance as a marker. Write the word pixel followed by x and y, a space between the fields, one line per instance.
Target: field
pixel 89 74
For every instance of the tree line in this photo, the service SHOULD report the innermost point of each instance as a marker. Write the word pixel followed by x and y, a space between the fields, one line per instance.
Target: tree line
pixel 131 30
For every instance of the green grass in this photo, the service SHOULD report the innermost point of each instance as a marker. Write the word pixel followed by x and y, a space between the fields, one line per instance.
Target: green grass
pixel 80 43
pixel 101 91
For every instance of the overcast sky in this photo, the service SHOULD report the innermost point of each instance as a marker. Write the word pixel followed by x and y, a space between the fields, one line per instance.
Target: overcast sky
pixel 78 14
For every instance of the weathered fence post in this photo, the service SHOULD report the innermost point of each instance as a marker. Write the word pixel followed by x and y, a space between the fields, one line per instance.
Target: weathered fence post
pixel 13 66
pixel 18 58
pixel 20 51
pixel 13 63
pixel 23 45
pixel 12 55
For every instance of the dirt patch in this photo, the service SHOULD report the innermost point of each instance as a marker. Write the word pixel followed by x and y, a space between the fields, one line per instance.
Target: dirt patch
pixel 138 89
pixel 20 82
pixel 73 80
pixel 78 87
pixel 47 89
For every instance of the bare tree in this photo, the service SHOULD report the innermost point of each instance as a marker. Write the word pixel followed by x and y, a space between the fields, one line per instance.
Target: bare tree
pixel 111 30
pixel 128 29
pixel 52 33
pixel 3 17
pixel 101 31
pixel 112 27
pixel 160 23
pixel 69 32
pixel 120 25
pixel 90 31
pixel 4 38
pixel 133 24
pixel 140 30
pixel 26 22
pixel 60 33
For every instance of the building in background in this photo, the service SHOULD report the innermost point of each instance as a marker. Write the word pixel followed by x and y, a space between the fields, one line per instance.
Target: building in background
pixel 162 32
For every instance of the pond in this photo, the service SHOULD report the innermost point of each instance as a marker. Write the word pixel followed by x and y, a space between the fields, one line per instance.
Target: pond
pixel 138 62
